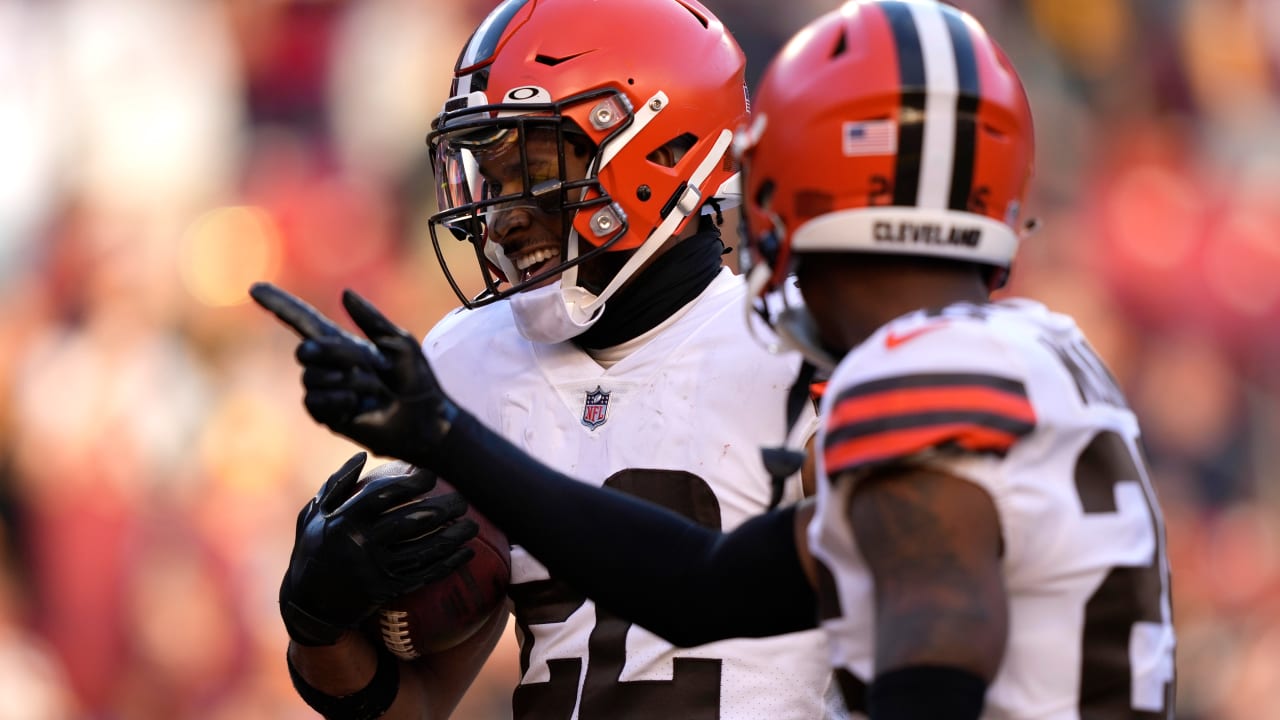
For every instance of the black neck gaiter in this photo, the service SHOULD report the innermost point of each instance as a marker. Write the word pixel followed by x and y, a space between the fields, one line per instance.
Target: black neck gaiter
pixel 673 280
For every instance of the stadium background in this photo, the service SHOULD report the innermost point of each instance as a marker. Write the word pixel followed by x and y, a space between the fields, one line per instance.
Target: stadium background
pixel 159 155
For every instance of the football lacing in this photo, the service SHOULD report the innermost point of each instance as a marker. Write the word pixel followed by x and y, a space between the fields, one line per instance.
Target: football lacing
pixel 395 634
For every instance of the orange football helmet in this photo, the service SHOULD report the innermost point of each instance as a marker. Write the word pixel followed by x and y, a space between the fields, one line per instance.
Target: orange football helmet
pixel 629 76
pixel 886 126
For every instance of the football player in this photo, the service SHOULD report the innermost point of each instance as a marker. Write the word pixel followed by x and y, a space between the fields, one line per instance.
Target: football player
pixel 583 160
pixel 985 542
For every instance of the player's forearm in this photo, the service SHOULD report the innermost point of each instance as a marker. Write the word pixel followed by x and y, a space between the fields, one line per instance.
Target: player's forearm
pixel 682 581
pixel 426 689
pixel 440 680
pixel 350 677
pixel 339 669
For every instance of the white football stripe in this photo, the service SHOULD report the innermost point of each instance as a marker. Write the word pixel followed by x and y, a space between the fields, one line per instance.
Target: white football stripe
pixel 937 153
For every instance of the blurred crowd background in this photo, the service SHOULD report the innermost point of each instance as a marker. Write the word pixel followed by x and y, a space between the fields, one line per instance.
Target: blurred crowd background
pixel 161 155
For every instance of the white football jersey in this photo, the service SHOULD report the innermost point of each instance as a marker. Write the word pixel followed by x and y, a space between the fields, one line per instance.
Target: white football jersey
pixel 1011 397
pixel 681 421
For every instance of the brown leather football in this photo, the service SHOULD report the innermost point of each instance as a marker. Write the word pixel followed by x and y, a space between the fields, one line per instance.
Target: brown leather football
pixel 442 614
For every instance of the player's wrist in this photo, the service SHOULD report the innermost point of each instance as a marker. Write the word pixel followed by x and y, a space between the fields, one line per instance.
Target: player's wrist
pixel 307 629
pixel 440 424
pixel 371 701
pixel 316 607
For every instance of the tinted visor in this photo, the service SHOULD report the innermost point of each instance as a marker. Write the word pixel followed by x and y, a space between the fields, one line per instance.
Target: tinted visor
pixel 487 165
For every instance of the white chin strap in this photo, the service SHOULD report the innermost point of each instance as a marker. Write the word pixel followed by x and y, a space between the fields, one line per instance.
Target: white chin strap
pixel 689 203
pixel 493 251
pixel 792 326
pixel 560 310
pixel 797 330
pixel 563 310
pixel 728 197
pixel 553 313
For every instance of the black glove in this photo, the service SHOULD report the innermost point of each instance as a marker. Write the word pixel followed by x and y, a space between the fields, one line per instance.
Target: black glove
pixel 356 549
pixel 381 394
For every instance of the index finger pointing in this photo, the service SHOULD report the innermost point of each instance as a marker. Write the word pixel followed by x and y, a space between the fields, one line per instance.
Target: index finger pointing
pixel 292 311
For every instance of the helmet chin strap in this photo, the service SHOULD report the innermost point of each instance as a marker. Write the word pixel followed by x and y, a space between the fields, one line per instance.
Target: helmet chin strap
pixel 788 459
pixel 793 327
pixel 794 330
pixel 689 203
pixel 564 310
pixel 493 251
pixel 757 277
pixel 797 331
pixel 569 278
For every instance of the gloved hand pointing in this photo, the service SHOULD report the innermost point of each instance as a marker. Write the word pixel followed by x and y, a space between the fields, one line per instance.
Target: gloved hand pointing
pixel 379 392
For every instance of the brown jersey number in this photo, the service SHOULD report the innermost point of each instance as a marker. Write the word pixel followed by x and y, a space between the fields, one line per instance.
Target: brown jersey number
pixel 692 693
pixel 1127 618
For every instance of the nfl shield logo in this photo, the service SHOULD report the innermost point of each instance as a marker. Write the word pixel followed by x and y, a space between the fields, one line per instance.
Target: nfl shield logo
pixel 596 410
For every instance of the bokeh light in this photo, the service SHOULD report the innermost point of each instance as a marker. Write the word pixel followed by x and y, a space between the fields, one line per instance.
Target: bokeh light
pixel 225 251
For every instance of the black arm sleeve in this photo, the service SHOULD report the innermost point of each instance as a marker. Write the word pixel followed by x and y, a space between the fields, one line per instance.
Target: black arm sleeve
pixel 681 581
pixel 926 692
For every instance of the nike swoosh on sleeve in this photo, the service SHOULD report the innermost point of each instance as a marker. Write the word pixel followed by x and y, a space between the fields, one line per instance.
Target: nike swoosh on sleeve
pixel 893 339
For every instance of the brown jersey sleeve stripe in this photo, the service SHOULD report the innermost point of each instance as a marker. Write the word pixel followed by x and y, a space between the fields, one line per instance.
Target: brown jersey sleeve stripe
pixel 887 424
pixel 863 451
pixel 894 417
pixel 934 381
pixel 863 408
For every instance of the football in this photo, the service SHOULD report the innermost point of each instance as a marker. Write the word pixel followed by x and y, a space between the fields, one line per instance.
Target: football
pixel 441 615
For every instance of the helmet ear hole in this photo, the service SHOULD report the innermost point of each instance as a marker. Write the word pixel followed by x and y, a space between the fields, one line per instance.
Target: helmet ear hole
pixel 769 245
pixel 669 153
pixel 577 140
pixel 764 196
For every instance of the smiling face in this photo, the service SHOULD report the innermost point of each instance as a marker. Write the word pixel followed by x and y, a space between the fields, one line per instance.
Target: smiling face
pixel 530 229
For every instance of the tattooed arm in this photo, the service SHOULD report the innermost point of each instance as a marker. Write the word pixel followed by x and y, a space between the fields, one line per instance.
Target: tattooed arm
pixel 933 545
